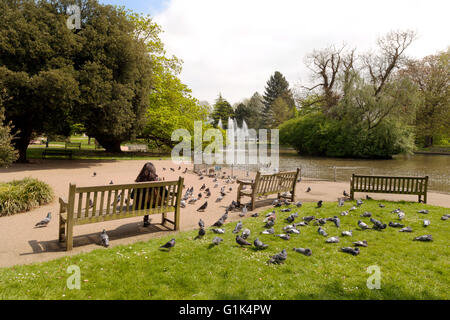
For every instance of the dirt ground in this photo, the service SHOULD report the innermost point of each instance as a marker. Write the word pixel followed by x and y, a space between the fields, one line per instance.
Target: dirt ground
pixel 22 243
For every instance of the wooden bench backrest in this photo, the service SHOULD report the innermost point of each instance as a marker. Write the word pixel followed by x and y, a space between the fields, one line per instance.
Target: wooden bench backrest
pixel 106 205
pixel 384 184
pixel 277 182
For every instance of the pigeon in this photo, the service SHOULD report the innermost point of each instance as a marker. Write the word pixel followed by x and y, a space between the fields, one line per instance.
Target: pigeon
pixel 344 213
pixel 172 169
pixel 423 211
pixel 179 168
pixel 104 239
pixel 169 245
pixel 395 211
pixel 319 204
pixel 366 214
pixel 360 243
pixel 308 190
pixel 300 224
pixel 238 227
pixel 426 223
pixel 368 198
pixel 332 240
pixel 406 229
pixel 268 231
pixel 286 210
pixel 111 182
pixel 362 225
pixel 284 236
pixel 243 212
pixel 164 169
pixel 218 231
pixel 336 221
pixel 381 205
pixel 359 202
pixel 427 237
pixel 219 198
pixel 352 208
pixel 269 224
pixel 202 187
pixel 216 241
pixel 322 232
pixel 347 233
pixel 321 221
pixel 304 251
pixel 340 202
pixel 241 241
pixel 44 222
pixel 255 215
pixel 401 215
pixel 292 217
pixel 225 216
pixel 201 233
pixel 203 207
pixel 192 201
pixel 378 225
pixel 293 230
pixel 245 234
pixel 299 204
pixel 396 225
pixel 445 217
pixel 182 204
pixel 279 257
pixel 353 251
pixel 201 223
pixel 259 244
pixel 345 194
pixel 94 174
pixel 199 196
pixel 91 203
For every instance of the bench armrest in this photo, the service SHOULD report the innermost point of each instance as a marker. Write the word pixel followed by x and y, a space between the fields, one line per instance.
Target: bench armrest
pixel 63 205
pixel 245 182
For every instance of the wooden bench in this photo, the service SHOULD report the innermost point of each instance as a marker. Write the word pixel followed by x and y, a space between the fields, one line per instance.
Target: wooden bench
pixel 56 152
pixel 106 204
pixel 73 145
pixel 267 184
pixel 394 185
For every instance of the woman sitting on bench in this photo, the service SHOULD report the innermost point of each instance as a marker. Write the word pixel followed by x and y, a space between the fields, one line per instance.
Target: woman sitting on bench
pixel 148 174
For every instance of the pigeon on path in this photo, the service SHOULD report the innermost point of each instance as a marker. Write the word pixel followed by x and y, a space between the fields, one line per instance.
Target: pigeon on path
pixel 203 207
pixel 104 238
pixel 44 222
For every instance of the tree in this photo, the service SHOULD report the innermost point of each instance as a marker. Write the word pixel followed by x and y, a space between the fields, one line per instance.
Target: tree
pixel 222 111
pixel 242 113
pixel 431 75
pixel 277 86
pixel 36 69
pixel 7 152
pixel 256 107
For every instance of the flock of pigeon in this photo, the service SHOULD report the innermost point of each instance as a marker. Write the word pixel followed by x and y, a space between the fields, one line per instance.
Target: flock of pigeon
pixel 243 234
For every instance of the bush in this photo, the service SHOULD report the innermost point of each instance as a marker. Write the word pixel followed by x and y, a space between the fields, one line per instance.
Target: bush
pixel 23 195
pixel 315 134
pixel 7 152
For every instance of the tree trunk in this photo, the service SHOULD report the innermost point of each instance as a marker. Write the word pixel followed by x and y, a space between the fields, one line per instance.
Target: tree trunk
pixel 21 144
pixel 428 141
pixel 110 145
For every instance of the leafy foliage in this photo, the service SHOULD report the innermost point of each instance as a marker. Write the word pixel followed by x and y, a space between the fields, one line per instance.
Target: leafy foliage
pixel 222 111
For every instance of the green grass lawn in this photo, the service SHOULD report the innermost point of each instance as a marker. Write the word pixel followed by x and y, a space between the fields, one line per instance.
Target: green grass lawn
pixel 194 269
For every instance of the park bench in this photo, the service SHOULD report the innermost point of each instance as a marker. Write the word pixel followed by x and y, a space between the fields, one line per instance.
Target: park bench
pixel 267 184
pixel 56 152
pixel 73 145
pixel 114 202
pixel 394 185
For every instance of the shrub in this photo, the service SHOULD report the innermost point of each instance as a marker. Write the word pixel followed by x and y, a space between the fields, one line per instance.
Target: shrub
pixel 23 195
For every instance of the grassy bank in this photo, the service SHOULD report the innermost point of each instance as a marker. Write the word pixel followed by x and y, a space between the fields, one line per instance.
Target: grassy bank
pixel 23 195
pixel 194 269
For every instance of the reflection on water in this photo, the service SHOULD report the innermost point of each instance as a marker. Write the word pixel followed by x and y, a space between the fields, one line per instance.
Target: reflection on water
pixel 437 167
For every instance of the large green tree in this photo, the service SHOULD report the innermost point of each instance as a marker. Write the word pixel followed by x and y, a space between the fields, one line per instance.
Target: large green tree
pixel 7 152
pixel 277 88
pixel 222 111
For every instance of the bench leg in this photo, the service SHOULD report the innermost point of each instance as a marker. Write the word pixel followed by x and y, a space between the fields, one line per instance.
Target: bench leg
pixel 62 230
pixel 164 218
pixel 69 239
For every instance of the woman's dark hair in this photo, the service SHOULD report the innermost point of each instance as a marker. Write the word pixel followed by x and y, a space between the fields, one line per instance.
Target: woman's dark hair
pixel 148 173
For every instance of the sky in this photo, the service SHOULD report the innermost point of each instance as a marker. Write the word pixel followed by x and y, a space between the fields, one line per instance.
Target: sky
pixel 232 47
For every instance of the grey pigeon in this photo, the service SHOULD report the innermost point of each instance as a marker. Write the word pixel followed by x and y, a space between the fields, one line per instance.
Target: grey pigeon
pixel 319 204
pixel 347 233
pixel 336 221
pixel 340 202
pixel 219 223
pixel 168 245
pixel 111 182
pixel 104 238
pixel 44 222
pixel 406 229
pixel 286 210
pixel 427 237
pixel 203 207
pixel 291 218
pixel 396 225
pixel 381 205
pixel 322 232
pixel 268 231
pixel 300 224
pixel 309 218
pixel 304 251
pixel 182 204
pixel 378 225
pixel 423 211
pixel 243 212
pixel 269 224
pixel 242 242
pixel 91 203
pixel 259 244
pixel 216 241
pixel 362 225
pixel 308 190
pixel 284 236
pixel 255 215
pixel 201 233
pixel 246 233
pixel 219 231
pixel 201 223
pixel 368 197
pixel 401 215
pixel 352 208
pixel 444 217
pixel 279 257
pixel 345 194
pixel 426 223
pixel 353 251
pixel 299 204
pixel 360 243
pixel 366 214
pixel 238 227
pixel 344 213
pixel 321 221
pixel 332 240
pixel 359 202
